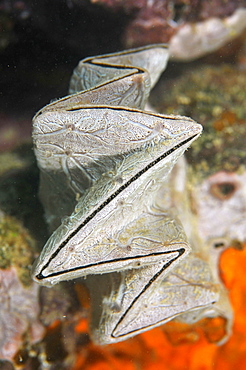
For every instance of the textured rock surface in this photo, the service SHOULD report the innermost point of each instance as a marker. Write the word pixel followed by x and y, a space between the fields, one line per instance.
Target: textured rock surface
pixel 191 28
pixel 18 315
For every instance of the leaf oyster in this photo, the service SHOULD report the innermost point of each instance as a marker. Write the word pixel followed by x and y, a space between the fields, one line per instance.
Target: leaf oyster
pixel 103 160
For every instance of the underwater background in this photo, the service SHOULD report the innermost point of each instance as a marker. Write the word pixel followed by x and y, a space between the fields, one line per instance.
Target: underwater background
pixel 41 42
